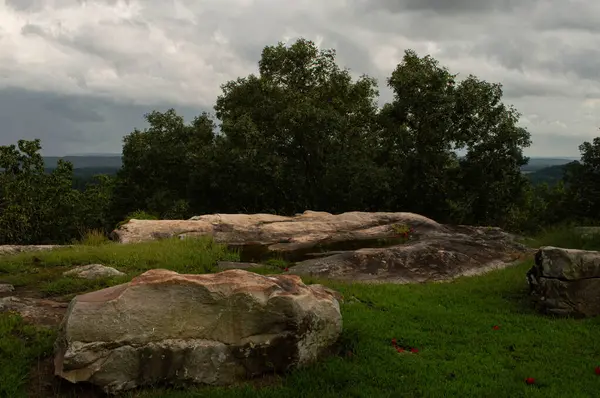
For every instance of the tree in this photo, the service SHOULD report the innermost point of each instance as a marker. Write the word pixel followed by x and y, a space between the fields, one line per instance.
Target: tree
pixel 35 207
pixel 430 121
pixel 583 182
pixel 163 165
pixel 298 135
pixel 96 204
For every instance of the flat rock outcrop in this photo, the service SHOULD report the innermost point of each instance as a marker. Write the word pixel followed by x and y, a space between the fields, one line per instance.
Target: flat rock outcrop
pixel 165 327
pixel 282 233
pixel 15 249
pixel 358 246
pixel 566 282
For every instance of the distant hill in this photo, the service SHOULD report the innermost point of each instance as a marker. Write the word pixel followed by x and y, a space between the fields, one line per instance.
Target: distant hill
pixel 550 175
pixel 85 167
pixel 539 170
pixel 542 163
pixel 86 161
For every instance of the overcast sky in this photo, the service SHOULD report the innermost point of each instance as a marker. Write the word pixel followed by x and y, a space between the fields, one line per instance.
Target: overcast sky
pixel 81 74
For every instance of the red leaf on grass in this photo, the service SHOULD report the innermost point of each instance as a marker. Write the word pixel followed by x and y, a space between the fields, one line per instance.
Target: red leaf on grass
pixel 393 341
pixel 597 370
pixel 399 349
pixel 495 327
pixel 530 380
pixel 414 350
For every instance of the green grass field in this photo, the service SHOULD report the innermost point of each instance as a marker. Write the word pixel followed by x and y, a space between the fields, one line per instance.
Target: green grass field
pixel 460 352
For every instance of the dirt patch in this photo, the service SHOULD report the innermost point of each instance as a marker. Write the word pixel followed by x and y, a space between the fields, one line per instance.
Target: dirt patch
pixel 41 312
pixel 43 384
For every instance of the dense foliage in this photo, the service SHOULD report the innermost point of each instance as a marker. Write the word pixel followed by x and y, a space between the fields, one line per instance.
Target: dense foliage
pixel 303 134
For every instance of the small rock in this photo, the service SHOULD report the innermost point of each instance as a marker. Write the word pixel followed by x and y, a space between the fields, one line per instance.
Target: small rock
pixel 14 249
pixel 93 271
pixel 40 312
pixel 6 288
pixel 225 265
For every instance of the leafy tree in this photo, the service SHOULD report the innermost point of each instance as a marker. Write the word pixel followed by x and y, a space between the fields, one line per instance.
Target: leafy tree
pixel 583 182
pixel 298 135
pixel 431 119
pixel 160 165
pixel 96 202
pixel 35 207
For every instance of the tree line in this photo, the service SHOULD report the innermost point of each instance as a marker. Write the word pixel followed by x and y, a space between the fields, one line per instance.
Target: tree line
pixel 303 134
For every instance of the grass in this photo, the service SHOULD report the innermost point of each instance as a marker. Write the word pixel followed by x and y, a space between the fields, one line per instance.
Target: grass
pixel 21 346
pixel 42 271
pixel 461 354
pixel 562 236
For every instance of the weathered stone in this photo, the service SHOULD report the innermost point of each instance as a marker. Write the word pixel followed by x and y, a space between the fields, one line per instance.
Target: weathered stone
pixel 40 312
pixel 436 259
pixel 93 271
pixel 207 329
pixel 367 247
pixel 14 249
pixel 6 288
pixel 566 282
pixel 225 265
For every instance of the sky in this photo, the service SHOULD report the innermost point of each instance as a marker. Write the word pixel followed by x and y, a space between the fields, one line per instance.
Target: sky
pixel 80 75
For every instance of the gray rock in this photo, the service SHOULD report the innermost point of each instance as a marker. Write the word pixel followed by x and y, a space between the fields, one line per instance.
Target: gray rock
pixel 14 249
pixel 566 282
pixel 6 288
pixel 225 265
pixel 93 271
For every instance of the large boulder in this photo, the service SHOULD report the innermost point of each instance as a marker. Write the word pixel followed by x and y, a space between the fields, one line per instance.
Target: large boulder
pixel 566 282
pixel 355 246
pixel 165 327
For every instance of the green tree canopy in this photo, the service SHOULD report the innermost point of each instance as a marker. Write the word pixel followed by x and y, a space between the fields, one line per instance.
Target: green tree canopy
pixel 298 135
pixel 431 120
pixel 161 163
pixel 35 206
pixel 583 181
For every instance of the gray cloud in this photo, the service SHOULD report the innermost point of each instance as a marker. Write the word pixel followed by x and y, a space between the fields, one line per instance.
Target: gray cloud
pixel 80 74
pixel 24 5
pixel 448 6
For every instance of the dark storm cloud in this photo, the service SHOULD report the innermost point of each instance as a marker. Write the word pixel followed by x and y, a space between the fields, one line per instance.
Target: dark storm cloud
pixel 72 124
